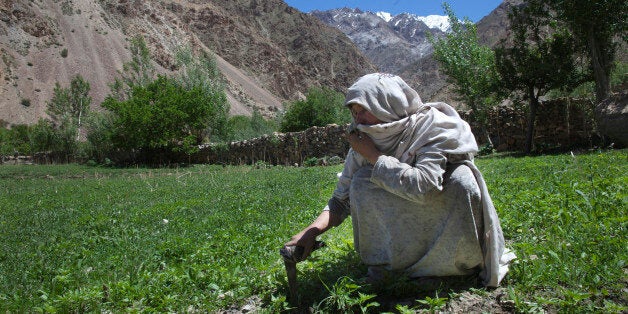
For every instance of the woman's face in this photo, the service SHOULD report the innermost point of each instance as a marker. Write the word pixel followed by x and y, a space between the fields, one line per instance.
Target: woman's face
pixel 363 116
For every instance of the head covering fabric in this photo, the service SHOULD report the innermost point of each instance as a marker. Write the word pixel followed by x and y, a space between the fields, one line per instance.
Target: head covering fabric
pixel 386 96
pixel 410 127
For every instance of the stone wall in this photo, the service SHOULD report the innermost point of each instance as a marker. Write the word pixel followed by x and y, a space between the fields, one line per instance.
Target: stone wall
pixel 559 125
pixel 279 148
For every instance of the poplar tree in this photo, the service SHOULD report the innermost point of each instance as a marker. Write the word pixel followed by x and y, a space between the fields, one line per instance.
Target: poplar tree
pixel 469 66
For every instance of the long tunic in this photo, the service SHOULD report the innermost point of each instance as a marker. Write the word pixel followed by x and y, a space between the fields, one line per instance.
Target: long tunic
pixel 425 220
pixel 423 208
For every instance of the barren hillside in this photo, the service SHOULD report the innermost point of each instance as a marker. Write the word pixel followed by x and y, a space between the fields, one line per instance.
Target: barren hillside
pixel 267 51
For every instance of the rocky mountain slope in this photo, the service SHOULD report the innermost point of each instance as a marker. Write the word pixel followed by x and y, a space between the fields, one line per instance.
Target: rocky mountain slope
pixel 399 44
pixel 267 51
pixel 391 42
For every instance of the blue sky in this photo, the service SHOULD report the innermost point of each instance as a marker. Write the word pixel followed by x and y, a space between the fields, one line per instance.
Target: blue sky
pixel 473 9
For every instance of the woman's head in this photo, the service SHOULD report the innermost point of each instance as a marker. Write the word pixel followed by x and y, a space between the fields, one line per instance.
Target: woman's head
pixel 362 116
pixel 385 96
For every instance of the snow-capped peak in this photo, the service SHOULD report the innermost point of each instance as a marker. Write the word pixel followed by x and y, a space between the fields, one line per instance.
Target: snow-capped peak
pixel 436 21
pixel 385 16
pixel 432 21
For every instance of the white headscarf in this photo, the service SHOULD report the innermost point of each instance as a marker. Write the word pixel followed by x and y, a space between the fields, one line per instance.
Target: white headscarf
pixel 410 127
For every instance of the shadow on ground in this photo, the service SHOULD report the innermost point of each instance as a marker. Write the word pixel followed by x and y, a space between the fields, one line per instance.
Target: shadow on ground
pixel 332 287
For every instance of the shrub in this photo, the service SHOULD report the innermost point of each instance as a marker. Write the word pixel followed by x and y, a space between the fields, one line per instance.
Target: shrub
pixel 25 102
pixel 322 106
pixel 164 114
pixel 64 52
pixel 15 140
pixel 243 127
pixel 99 127
pixel 44 137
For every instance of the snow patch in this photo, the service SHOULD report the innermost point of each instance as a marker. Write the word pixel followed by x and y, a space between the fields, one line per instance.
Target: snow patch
pixel 436 21
pixel 385 16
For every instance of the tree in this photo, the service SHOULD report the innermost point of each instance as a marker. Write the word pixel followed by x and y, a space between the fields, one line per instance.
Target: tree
pixel 469 66
pixel 166 115
pixel 596 24
pixel 201 72
pixel 243 127
pixel 70 103
pixel 67 109
pixel 137 72
pixel 539 59
pixel 322 106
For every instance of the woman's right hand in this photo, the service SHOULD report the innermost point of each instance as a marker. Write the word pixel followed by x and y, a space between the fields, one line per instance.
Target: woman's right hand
pixel 306 239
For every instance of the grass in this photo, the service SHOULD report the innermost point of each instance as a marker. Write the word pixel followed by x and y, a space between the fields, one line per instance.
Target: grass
pixel 204 238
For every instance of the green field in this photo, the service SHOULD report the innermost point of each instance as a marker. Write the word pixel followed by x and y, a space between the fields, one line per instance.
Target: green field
pixel 204 238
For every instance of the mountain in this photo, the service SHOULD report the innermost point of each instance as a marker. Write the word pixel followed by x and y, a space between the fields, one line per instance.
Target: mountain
pixel 399 45
pixel 391 42
pixel 267 51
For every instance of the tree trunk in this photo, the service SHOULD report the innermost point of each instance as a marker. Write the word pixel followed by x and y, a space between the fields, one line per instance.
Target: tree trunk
pixel 488 136
pixel 600 66
pixel 534 103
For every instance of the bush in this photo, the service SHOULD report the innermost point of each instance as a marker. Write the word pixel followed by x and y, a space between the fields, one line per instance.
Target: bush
pixel 322 106
pixel 165 115
pixel 243 127
pixel 99 129
pixel 15 140
pixel 43 137
pixel 64 53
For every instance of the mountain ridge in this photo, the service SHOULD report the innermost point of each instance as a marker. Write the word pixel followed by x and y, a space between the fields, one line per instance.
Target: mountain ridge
pixel 399 43
pixel 268 52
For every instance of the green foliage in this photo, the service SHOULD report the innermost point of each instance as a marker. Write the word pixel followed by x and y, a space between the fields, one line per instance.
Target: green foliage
pixel 469 65
pixel 69 105
pixel 433 304
pixel 67 110
pixel 64 52
pixel 15 140
pixel 565 219
pixel 25 139
pixel 201 239
pixel 43 137
pixel 137 72
pixel 172 113
pixel 198 71
pixel 322 106
pixel 243 127
pixel 539 59
pixel 165 114
pixel 100 133
pixel 206 238
pixel 596 25
pixel 344 296
pixel 25 102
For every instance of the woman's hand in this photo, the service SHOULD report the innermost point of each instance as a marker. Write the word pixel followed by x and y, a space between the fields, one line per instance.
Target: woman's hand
pixel 363 145
pixel 306 239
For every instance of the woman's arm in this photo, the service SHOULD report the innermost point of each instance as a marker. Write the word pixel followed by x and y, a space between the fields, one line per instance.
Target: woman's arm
pixel 407 181
pixel 410 182
pixel 307 237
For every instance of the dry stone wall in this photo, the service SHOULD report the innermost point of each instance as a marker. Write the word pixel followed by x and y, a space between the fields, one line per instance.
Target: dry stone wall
pixel 279 148
pixel 558 124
